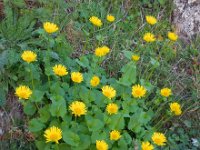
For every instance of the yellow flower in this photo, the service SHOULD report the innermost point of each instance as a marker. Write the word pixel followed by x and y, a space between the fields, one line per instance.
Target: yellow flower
pixel 53 134
pixel 115 135
pixel 159 138
pixel 175 108
pixel 29 56
pixel 60 70
pixel 105 49
pixel 78 108
pixel 77 77
pixel 102 51
pixel 50 27
pixel 95 21
pixel 101 145
pixel 172 36
pixel 151 20
pixel 147 146
pixel 135 57
pixel 138 91
pixel 112 108
pixel 149 37
pixel 23 92
pixel 166 92
pixel 94 81
pixel 108 91
pixel 110 18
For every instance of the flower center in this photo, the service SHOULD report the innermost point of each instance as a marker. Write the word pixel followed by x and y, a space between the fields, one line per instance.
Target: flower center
pixel 158 140
pixel 138 92
pixel 53 136
pixel 112 109
pixel 77 110
pixel 107 93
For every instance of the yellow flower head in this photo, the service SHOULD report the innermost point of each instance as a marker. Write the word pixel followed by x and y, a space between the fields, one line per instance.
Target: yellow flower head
pixel 159 138
pixel 60 70
pixel 112 108
pixel 50 27
pixel 95 21
pixel 23 92
pixel 135 57
pixel 151 20
pixel 53 134
pixel 102 51
pixel 110 18
pixel 78 108
pixel 94 81
pixel 149 37
pixel 101 145
pixel 115 135
pixel 29 56
pixel 105 49
pixel 138 91
pixel 147 146
pixel 108 91
pixel 175 108
pixel 166 92
pixel 77 77
pixel 172 36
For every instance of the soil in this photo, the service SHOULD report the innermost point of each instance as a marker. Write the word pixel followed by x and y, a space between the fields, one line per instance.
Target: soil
pixel 186 18
pixel 10 116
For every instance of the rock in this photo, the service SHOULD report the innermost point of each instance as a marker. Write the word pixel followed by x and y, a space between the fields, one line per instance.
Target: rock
pixel 186 18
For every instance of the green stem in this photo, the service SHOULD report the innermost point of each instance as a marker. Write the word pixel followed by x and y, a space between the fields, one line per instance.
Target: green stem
pixel 31 77
pixel 107 120
pixel 163 122
pixel 37 106
pixel 49 81
pixel 48 59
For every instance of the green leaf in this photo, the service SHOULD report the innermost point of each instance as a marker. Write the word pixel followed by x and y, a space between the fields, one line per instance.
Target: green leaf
pixel 188 123
pixel 58 108
pixel 130 106
pixel 57 90
pixel 134 125
pixel 116 122
pixel 29 108
pixel 74 92
pixel 54 55
pixel 83 61
pixel 3 59
pixel 64 146
pixel 35 125
pixel 44 114
pixel 94 124
pixel 19 3
pixel 139 119
pixel 155 63
pixel 37 96
pixel 2 97
pixel 71 138
pixel 85 142
pixel 98 135
pixel 84 94
pixel 40 145
pixel 122 144
pixel 129 74
pixel 127 138
pixel 128 54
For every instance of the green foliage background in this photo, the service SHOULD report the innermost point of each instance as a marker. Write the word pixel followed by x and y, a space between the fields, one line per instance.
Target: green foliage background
pixel 160 64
